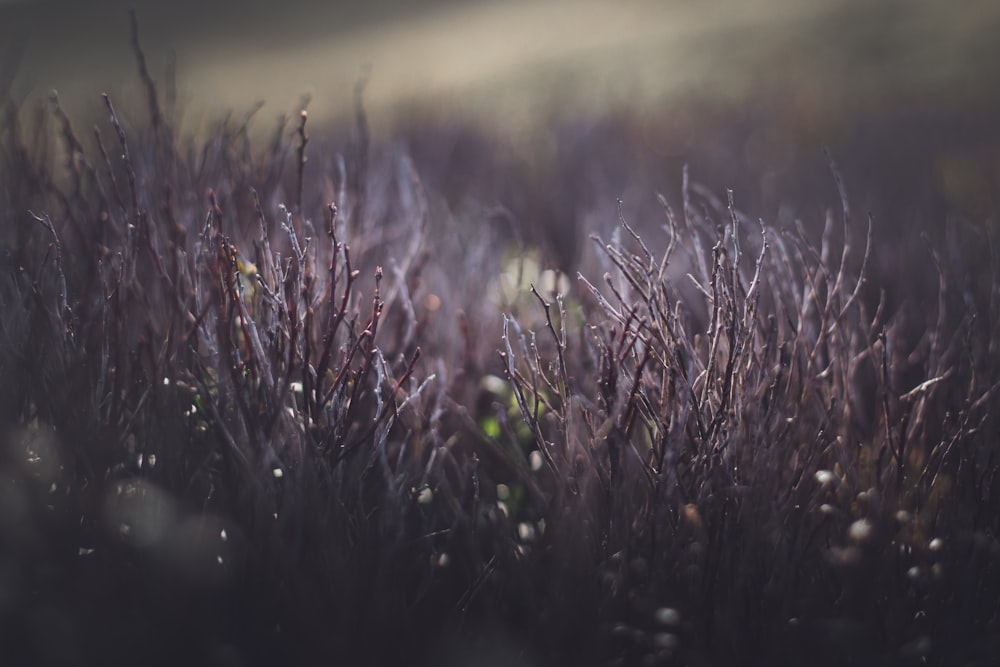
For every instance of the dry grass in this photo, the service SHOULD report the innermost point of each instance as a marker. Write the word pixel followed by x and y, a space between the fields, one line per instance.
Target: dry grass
pixel 254 412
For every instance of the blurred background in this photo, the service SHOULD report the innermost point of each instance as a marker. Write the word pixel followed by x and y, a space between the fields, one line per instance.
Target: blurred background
pixel 511 62
pixel 561 97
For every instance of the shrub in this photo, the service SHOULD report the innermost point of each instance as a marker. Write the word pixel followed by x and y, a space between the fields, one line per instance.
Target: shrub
pixel 253 412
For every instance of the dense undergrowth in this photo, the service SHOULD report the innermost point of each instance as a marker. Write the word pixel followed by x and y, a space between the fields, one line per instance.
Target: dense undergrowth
pixel 264 410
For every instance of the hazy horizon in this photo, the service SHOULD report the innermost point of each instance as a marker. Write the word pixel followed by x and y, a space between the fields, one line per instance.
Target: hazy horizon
pixel 505 63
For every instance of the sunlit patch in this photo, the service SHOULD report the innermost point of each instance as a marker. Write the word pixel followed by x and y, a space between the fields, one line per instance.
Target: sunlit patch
pixel 668 616
pixel 692 515
pixel 494 384
pixel 825 477
pixel 525 532
pixel 515 281
pixel 861 530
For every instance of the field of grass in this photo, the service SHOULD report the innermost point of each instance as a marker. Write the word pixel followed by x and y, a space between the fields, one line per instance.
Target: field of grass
pixel 420 396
